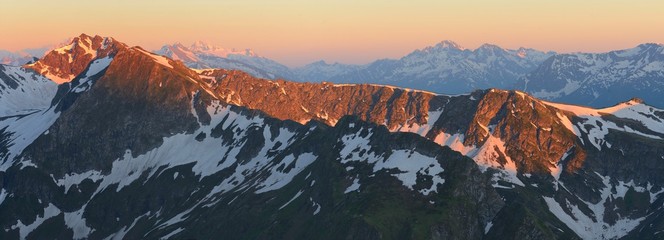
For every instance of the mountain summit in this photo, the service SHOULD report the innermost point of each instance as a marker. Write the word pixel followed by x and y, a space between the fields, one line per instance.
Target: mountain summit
pixel 203 47
pixel 202 55
pixel 447 44
pixel 64 63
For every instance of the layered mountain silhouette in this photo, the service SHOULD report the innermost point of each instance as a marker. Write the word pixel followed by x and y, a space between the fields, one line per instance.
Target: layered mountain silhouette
pixel 600 79
pixel 590 79
pixel 132 144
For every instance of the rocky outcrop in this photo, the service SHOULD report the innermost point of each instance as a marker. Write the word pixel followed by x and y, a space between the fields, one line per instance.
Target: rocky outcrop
pixel 323 102
pixel 63 64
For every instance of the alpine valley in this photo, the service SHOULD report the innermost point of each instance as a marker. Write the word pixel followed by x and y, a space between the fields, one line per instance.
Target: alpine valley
pixel 101 140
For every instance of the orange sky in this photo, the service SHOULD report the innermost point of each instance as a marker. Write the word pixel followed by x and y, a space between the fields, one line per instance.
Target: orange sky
pixel 297 32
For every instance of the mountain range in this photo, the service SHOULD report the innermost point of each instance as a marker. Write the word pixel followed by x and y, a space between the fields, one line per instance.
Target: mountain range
pixel 449 68
pixel 590 79
pixel 600 79
pixel 18 58
pixel 100 140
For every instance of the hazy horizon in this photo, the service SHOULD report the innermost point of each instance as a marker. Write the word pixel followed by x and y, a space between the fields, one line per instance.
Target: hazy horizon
pixel 298 32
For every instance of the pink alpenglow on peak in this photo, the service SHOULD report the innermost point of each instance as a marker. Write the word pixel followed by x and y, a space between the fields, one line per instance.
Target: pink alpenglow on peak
pixel 209 49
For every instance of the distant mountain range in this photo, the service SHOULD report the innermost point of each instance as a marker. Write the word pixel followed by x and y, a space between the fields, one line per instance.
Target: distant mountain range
pixel 20 57
pixel 600 79
pixel 449 68
pixel 445 67
pixel 202 55
pixel 597 80
pixel 134 145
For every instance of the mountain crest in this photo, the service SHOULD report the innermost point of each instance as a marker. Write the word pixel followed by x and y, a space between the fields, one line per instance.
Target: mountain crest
pixel 207 48
pixel 203 46
pixel 490 46
pixel 448 44
pixel 64 63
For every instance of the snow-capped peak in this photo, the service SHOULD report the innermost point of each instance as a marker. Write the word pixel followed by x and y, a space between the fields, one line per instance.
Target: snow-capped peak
pixel 443 46
pixel 204 47
pixel 522 52
pixel 490 46
pixel 489 49
pixel 177 51
pixel 447 44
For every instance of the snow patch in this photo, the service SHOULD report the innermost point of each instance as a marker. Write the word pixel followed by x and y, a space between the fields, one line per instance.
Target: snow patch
pixel 24 131
pixel 488 227
pixel 3 195
pixel 277 179
pixel 291 200
pixel 594 227
pixel 76 178
pixel 76 222
pixel 157 58
pixel 23 229
pixel 411 163
pixel 353 187
pixel 171 234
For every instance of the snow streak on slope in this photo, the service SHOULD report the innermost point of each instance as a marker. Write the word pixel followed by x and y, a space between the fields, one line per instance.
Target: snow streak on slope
pixel 73 220
pixel 23 91
pixel 25 112
pixel 644 115
pixel 411 164
pixel 157 58
pixel 182 149
pixel 408 163
pixel 95 68
pixel 491 155
pixel 486 156
pixel 594 225
pixel 23 131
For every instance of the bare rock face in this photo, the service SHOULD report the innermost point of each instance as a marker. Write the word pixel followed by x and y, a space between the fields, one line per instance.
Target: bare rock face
pixel 323 102
pixel 63 64
pixel 533 136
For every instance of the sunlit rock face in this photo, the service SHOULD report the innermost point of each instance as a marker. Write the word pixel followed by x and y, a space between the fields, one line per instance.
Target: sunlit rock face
pixel 63 64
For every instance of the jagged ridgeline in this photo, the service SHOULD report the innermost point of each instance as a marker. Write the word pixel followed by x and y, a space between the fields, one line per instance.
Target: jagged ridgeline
pixel 135 145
